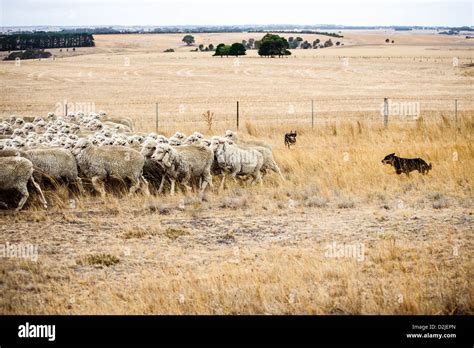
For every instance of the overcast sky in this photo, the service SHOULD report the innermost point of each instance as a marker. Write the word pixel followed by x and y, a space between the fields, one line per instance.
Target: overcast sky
pixel 214 12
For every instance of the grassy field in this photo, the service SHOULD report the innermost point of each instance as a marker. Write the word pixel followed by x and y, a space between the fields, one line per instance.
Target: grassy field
pixel 342 235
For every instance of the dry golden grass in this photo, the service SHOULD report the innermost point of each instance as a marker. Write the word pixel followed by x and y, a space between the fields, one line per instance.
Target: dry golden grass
pixel 263 249
pixel 260 249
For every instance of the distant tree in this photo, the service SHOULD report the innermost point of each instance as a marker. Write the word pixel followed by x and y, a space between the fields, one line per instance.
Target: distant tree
pixel 273 45
pixel 257 44
pixel 387 40
pixel 222 50
pixel 168 50
pixel 251 43
pixel 393 41
pixel 188 39
pixel 299 39
pixel 237 49
pixel 201 47
pixel 338 43
pixel 29 53
pixel 290 39
pixel 305 45
pixel 211 47
pixel 294 44
pixel 328 43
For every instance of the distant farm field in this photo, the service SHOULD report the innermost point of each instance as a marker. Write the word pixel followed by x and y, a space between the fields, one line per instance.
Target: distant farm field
pixel 343 234
pixel 128 74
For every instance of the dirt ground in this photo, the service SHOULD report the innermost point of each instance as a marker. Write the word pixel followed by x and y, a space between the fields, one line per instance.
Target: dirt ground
pixel 186 237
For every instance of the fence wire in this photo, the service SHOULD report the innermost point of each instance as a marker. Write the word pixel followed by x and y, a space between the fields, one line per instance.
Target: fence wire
pixel 226 114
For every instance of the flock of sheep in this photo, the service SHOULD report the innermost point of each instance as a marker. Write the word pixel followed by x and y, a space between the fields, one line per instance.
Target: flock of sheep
pixel 96 147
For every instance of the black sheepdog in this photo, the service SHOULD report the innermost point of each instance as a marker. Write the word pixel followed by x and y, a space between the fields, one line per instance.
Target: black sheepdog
pixel 407 165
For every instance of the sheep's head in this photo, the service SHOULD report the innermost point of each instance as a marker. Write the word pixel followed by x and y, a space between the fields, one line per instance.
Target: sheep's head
pixel 220 153
pixel 38 119
pixel 231 135
pixel 179 135
pixel 163 154
pixel 19 132
pixel 18 143
pixel 198 135
pixel 153 135
pixel 102 115
pixel 139 138
pixel 71 116
pixel 148 148
pixel 192 140
pixel 214 143
pixel 70 144
pixel 19 122
pixel 162 139
pixel 174 141
pixel 81 145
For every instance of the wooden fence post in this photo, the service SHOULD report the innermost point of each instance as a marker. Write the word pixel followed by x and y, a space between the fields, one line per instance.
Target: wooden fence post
pixel 156 117
pixel 237 115
pixel 456 112
pixel 385 112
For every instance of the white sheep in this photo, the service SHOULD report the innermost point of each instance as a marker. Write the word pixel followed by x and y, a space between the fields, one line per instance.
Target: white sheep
pixel 15 173
pixel 237 161
pixel 56 164
pixel 184 163
pixel 98 163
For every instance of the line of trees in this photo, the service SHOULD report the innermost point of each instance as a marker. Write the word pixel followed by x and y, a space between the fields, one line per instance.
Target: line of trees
pixel 312 32
pixel 42 40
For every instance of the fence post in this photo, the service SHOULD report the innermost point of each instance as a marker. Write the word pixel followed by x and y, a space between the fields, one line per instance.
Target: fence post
pixel 237 115
pixel 385 112
pixel 156 118
pixel 312 114
pixel 456 112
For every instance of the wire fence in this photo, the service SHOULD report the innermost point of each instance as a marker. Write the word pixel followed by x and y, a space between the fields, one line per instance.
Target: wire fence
pixel 168 116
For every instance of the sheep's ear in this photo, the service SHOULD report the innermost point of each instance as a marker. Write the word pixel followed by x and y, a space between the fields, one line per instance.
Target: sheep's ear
pixel 392 154
pixel 166 160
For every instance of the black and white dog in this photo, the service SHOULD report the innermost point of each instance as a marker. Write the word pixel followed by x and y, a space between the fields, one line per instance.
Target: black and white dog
pixel 290 139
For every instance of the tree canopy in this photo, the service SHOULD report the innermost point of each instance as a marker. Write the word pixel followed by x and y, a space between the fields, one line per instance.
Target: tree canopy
pixel 236 49
pixel 273 45
pixel 188 39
